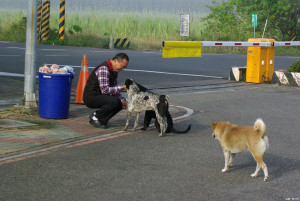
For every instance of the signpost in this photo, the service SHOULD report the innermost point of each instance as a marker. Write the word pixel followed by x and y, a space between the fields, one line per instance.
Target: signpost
pixel 184 25
pixel 254 22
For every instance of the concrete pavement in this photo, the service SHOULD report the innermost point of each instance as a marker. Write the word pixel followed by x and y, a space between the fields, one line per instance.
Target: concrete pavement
pixel 177 167
pixel 22 132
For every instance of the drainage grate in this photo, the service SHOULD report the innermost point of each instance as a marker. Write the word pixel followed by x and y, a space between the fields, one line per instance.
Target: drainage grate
pixel 9 123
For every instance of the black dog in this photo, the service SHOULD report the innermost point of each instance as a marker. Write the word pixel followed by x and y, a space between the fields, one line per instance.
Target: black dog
pixel 139 101
pixel 149 114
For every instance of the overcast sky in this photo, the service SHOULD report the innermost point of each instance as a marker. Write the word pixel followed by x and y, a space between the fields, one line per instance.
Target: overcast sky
pixel 173 6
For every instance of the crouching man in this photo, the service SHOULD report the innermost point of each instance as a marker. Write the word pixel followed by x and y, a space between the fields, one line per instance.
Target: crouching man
pixel 102 92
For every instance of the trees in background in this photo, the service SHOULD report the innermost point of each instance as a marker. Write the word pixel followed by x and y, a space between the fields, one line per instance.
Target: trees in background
pixel 231 19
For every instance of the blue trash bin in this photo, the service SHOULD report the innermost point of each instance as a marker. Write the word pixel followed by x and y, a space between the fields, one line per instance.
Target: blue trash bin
pixel 54 95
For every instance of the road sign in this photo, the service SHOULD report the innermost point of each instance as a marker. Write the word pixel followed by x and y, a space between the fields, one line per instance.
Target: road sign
pixel 184 25
pixel 254 20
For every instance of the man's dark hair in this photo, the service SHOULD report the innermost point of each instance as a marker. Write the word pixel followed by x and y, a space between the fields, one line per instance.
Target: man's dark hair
pixel 121 56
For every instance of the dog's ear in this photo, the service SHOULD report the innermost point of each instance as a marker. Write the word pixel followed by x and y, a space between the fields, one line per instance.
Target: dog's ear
pixel 213 124
pixel 128 82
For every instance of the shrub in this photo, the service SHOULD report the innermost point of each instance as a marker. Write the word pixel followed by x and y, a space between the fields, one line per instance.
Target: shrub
pixel 15 31
pixel 294 67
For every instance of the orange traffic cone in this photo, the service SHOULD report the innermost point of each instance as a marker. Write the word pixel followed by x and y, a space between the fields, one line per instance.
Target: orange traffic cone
pixel 83 77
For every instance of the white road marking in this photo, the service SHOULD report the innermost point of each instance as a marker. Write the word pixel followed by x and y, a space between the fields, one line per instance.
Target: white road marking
pixel 53 50
pixel 202 92
pixel 14 74
pixel 12 55
pixel 188 113
pixel 146 52
pixel 168 73
pixel 22 48
pixel 11 74
pixel 214 91
pixel 102 51
pixel 58 55
pixel 211 54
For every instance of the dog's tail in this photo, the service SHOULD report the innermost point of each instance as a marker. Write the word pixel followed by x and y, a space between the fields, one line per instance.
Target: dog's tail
pixel 261 129
pixel 173 130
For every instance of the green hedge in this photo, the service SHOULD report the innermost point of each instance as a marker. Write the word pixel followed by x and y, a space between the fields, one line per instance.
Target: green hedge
pixel 294 67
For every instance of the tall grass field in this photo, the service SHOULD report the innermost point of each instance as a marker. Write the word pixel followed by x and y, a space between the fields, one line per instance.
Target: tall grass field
pixel 146 30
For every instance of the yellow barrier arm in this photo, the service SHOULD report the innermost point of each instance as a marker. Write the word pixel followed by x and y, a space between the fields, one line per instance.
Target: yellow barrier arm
pixel 173 49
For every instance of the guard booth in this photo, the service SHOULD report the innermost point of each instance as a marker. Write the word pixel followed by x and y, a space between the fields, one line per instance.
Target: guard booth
pixel 260 62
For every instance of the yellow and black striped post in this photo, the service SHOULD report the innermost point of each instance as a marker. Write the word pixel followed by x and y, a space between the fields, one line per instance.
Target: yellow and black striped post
pixel 39 17
pixel 62 20
pixel 45 20
pixel 121 43
pixel 293 33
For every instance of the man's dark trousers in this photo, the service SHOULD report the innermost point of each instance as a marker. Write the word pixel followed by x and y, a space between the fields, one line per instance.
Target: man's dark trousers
pixel 108 105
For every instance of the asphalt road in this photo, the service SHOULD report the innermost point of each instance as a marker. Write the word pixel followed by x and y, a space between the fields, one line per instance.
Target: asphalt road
pixel 146 67
pixel 143 166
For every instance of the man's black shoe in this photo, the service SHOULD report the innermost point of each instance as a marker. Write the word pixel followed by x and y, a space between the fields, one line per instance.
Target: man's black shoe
pixel 92 115
pixel 97 124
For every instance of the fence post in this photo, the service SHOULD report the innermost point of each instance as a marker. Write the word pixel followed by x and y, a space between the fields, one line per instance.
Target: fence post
pixel 62 20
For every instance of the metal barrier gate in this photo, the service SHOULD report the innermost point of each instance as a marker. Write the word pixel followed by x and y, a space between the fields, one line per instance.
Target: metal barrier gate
pixel 260 54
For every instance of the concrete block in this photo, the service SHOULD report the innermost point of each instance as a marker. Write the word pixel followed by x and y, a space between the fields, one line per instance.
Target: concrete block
pixel 237 74
pixel 286 78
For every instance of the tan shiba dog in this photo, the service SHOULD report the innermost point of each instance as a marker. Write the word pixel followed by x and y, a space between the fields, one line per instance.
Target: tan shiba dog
pixel 235 139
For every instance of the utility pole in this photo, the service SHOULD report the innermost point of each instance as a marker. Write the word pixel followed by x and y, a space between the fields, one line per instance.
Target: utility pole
pixel 29 99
